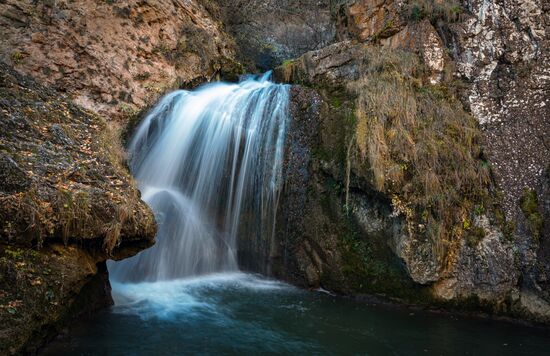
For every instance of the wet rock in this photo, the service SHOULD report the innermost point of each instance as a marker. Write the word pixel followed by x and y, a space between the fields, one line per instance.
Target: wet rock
pixel 43 291
pixel 299 255
pixel 324 237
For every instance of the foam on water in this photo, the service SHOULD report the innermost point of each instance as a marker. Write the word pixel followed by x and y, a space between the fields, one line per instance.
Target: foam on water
pixel 188 298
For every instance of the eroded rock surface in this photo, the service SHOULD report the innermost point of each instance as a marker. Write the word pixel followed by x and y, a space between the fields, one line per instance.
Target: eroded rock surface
pixel 369 19
pixel 503 49
pixel 115 57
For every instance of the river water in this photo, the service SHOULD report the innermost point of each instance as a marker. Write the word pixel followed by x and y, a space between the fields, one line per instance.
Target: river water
pixel 245 314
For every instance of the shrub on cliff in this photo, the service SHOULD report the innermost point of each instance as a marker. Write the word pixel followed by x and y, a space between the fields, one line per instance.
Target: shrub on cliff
pixel 434 10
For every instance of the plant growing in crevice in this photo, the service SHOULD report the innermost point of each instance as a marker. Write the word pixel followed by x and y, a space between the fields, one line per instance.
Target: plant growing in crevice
pixel 529 204
pixel 74 212
pixel 17 57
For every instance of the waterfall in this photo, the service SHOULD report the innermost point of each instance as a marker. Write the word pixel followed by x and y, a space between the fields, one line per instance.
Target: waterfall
pixel 206 161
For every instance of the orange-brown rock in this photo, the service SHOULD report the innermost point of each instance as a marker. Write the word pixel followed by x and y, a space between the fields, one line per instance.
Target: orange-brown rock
pixel 422 39
pixel 370 19
pixel 114 57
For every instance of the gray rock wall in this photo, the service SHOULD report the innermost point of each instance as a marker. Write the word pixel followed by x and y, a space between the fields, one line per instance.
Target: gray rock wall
pixel 268 32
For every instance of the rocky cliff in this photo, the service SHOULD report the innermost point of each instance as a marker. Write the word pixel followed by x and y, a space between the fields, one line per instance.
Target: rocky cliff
pixel 67 201
pixel 67 204
pixel 428 171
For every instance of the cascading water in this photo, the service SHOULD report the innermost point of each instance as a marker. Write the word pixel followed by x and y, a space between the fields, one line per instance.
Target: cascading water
pixel 203 160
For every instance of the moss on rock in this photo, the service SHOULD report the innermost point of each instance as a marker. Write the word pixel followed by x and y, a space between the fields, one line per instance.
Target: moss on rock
pixel 530 207
pixel 421 147
pixel 67 203
pixel 72 165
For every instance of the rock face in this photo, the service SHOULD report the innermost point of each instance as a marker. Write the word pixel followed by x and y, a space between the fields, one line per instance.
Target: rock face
pixel 369 19
pixel 503 50
pixel 67 204
pixel 323 242
pixel 379 218
pixel 494 59
pixel 115 57
pixel 270 31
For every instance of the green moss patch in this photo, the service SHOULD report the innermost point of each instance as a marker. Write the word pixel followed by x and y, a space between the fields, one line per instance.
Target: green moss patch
pixel 529 204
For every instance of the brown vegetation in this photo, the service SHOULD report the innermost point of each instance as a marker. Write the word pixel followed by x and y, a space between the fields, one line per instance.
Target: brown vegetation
pixel 420 147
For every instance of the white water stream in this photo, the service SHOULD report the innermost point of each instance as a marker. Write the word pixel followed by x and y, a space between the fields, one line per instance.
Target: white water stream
pixel 205 160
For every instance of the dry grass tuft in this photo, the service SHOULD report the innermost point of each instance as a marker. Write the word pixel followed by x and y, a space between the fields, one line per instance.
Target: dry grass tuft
pixel 422 148
pixel 75 211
